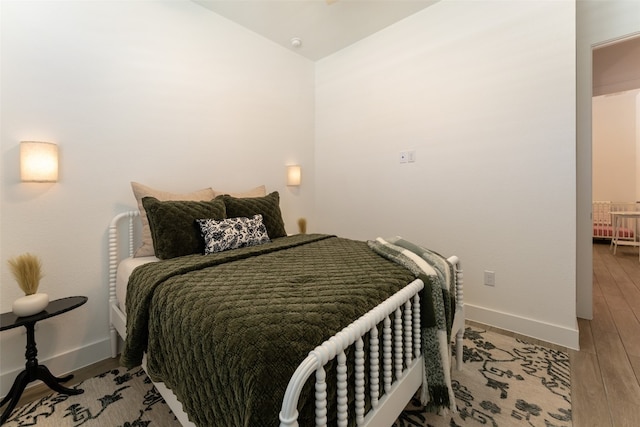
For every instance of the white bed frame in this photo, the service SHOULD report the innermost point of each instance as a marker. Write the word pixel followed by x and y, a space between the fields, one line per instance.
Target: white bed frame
pixel 390 387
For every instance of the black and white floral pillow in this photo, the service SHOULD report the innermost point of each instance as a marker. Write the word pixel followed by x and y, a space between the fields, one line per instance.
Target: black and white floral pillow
pixel 232 233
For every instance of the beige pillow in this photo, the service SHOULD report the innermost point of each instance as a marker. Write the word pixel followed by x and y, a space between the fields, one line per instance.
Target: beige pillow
pixel 140 191
pixel 259 191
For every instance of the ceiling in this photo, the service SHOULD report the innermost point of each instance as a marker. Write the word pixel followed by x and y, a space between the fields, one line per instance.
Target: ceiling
pixel 322 26
pixel 616 67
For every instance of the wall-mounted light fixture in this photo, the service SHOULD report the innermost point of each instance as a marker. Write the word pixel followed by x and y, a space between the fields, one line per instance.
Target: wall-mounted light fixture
pixel 38 161
pixel 294 174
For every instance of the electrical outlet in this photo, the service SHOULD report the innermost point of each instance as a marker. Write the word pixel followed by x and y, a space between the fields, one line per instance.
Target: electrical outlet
pixel 489 278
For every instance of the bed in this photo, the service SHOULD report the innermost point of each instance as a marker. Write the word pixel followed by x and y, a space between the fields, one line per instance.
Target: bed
pixel 340 362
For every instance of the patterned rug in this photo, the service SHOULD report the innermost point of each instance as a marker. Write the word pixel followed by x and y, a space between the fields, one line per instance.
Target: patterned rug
pixel 116 398
pixel 504 382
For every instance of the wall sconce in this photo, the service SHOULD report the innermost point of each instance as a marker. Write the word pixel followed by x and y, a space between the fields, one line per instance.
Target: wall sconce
pixel 294 174
pixel 38 161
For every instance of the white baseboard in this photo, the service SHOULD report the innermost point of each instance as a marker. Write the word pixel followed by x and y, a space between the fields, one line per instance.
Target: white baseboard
pixel 70 361
pixel 554 334
pixel 62 364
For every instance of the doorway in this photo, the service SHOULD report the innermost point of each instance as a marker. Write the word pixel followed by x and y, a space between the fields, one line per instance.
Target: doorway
pixel 592 31
pixel 615 121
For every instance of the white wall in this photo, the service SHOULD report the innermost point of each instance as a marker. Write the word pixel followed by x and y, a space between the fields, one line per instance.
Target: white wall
pixel 164 93
pixel 597 22
pixel 484 92
pixel 615 119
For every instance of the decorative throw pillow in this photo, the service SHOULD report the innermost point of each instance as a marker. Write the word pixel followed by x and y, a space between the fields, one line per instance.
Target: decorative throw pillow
pixel 232 233
pixel 174 230
pixel 267 206
pixel 140 191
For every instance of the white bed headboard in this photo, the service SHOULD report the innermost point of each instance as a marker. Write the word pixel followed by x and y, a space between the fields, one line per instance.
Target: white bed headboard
pixel 123 230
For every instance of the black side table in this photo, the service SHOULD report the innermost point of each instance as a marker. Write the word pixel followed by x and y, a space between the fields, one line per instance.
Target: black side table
pixel 33 370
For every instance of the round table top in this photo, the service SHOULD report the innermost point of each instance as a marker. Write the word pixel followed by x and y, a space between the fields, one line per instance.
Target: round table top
pixel 10 320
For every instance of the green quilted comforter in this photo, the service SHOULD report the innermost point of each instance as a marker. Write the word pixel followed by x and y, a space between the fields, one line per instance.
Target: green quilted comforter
pixel 226 331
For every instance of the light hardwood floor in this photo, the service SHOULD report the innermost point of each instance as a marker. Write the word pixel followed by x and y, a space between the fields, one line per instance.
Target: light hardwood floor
pixel 605 373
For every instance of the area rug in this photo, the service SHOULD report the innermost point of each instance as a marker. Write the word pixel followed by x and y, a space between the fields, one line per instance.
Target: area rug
pixel 115 398
pixel 503 382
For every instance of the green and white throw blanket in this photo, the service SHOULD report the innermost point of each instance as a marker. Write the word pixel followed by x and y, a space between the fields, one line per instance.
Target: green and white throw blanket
pixel 437 274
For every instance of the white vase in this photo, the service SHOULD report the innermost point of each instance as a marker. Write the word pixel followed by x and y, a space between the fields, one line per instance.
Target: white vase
pixel 30 304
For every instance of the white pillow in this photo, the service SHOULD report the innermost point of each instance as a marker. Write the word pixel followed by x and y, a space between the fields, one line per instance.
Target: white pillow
pixel 232 233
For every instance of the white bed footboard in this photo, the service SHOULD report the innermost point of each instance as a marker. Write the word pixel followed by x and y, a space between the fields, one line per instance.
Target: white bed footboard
pixel 404 339
pixel 390 384
pixel 401 359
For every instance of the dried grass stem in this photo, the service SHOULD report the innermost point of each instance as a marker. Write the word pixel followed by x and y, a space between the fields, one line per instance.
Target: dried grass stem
pixel 27 269
pixel 302 225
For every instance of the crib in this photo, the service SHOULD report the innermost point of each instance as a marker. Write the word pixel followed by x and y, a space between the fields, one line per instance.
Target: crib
pixel 603 223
